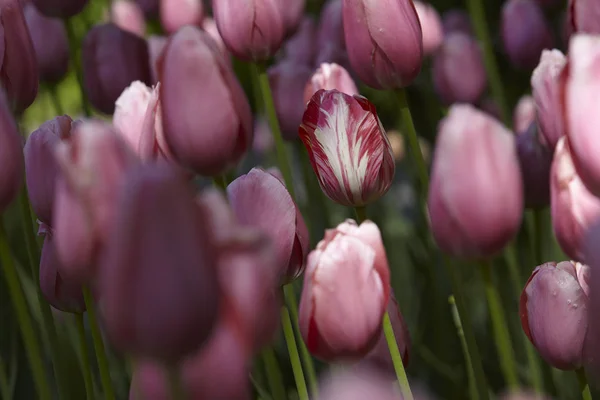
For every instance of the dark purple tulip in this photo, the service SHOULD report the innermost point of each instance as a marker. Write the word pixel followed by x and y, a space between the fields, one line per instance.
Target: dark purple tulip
pixel 11 147
pixel 592 340
pixel 457 21
pixel 60 8
pixel 151 8
pixel 112 59
pixel 535 158
pixel 302 45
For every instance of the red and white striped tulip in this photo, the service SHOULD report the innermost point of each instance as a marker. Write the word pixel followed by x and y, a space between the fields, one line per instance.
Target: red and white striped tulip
pixel 348 147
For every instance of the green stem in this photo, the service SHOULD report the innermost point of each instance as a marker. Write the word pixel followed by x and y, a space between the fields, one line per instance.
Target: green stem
pixel 17 296
pixel 465 349
pixel 98 345
pixel 73 46
pixel 500 328
pixel 583 384
pixel 477 12
pixel 221 182
pixel 175 383
pixel 361 214
pixel 84 359
pixel 5 387
pixel 274 376
pixel 538 223
pixel 288 332
pixel 56 102
pixel 388 331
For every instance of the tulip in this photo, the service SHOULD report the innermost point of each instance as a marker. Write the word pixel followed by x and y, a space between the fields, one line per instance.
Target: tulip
pixel 263 138
pixel 431 24
pixel 112 59
pixel 574 209
pixel 156 46
pixel 457 21
pixel 158 277
pixel 259 199
pixel 292 12
pixel 384 41
pixel 476 197
pixel 359 385
pixel 60 8
pixel 591 351
pixel 210 26
pixel 458 70
pixel 348 147
pixel 151 8
pixel 584 16
pixel 206 116
pixel 252 30
pixel 11 147
pixel 301 47
pixel 546 88
pixel 535 159
pixel 41 168
pixel 491 107
pixel 50 42
pixel 175 14
pixel 92 166
pixel 524 114
pixel 18 64
pixel 288 80
pixel 330 35
pixel 345 292
pixel 525 32
pixel 128 16
pixel 553 311
pixel 329 77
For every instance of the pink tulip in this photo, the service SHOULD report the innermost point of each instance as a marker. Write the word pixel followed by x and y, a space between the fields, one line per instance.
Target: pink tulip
pixel 476 197
pixel 175 14
pixel 348 147
pixel 292 12
pixel 60 8
pixel 431 24
pixel 553 310
pixel 359 385
pixel 535 159
pixel 210 26
pixel 156 45
pixel 524 114
pixel 384 41
pixel 11 147
pixel 330 35
pixel 263 137
pixel 302 46
pixel 456 20
pixel 329 77
pixel 128 16
pixel 585 16
pixel 573 207
pixel 345 293
pixel 205 113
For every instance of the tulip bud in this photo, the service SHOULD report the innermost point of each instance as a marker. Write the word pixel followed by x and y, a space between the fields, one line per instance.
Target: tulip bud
pixel 348 147
pixel 11 147
pixel 584 16
pixel 175 14
pixel 40 165
pixel 292 12
pixel 263 137
pixel 359 385
pixel 252 30
pixel 553 311
pixel 431 25
pixel 457 21
pixel 50 43
pixel 210 26
pixel 458 71
pixel 524 114
pixel 18 64
pixel 384 44
pixel 160 293
pixel 60 8
pixel 151 8
pixel 573 207
pixel 329 77
pixel 261 200
pixel 206 116
pixel 128 16
pixel 349 263
pixel 535 159
pixel 545 84
pixel 301 47
pixel 112 59
pixel 525 32
pixel 156 46
pixel 476 197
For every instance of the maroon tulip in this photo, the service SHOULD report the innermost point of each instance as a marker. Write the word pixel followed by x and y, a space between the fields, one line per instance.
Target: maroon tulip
pixel 128 16
pixel 11 147
pixel 301 47
pixel 206 116
pixel 457 21
pixel 553 310
pixel 151 8
pixel 158 276
pixel 476 197
pixel 535 159
pixel 40 164
pixel 60 8
pixel 175 14
pixel 329 77
pixel 112 59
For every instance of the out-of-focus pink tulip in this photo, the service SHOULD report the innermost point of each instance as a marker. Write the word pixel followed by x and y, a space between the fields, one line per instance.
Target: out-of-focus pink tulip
pixel 175 14
pixel 288 80
pixel 553 311
pixel 359 385
pixel 260 199
pixel 431 25
pixel 156 45
pixel 302 45
pixel 574 209
pixel 252 30
pixel 112 59
pixel 11 147
pixel 263 137
pixel 535 159
pixel 60 8
pixel 292 12
pixel 345 293
pixel 525 32
pixel 458 70
pixel 591 352
pixel 210 26
pixel 581 93
pixel 457 21
pixel 384 41
pixel 476 195
pixel 151 8
pixel 92 165
pixel 524 114
pixel 40 165
pixel 128 16
pixel 348 147
pixel 329 77
pixel 158 276
pixel 584 16
pixel 50 42
pixel 61 294
pixel 206 116
pixel 546 87
pixel 331 26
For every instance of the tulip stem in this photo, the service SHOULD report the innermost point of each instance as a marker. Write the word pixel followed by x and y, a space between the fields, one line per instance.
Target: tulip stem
pixel 388 331
pixel 84 358
pixel 583 384
pixel 56 102
pixel 361 214
pixel 220 182
pixel 500 328
pixel 477 12
pixel 17 296
pixel 73 46
pixel 175 382
pixel 288 332
pixel 465 349
pixel 98 345
pixel 274 376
